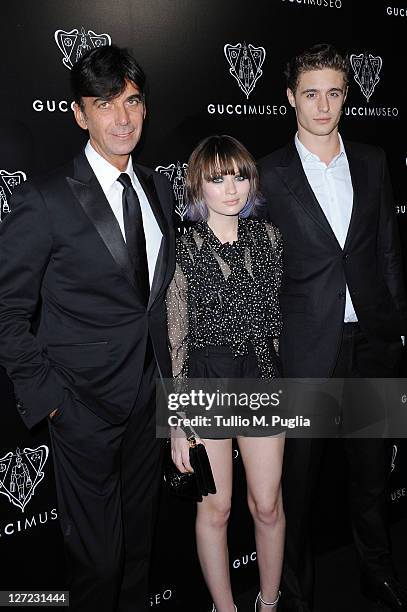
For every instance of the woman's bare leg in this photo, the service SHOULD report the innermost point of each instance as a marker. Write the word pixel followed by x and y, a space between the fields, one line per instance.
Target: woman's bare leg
pixel 211 526
pixel 262 459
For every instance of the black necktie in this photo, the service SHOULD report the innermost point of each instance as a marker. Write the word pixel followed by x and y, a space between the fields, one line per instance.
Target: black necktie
pixel 135 238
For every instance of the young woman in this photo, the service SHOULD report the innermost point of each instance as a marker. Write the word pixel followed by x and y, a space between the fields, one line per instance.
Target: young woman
pixel 224 321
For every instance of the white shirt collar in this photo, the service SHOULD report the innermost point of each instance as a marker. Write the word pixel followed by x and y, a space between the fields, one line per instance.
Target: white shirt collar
pixel 306 155
pixel 105 173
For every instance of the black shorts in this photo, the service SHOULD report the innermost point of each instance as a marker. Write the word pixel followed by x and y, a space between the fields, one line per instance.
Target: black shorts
pixel 220 362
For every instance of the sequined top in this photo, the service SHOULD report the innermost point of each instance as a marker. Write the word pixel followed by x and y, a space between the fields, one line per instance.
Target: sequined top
pixel 226 294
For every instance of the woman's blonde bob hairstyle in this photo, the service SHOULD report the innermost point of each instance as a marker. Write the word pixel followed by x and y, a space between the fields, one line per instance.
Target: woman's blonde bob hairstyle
pixel 217 156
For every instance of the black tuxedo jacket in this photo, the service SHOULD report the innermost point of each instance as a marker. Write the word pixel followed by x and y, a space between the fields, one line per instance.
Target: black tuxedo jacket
pixel 317 269
pixel 62 242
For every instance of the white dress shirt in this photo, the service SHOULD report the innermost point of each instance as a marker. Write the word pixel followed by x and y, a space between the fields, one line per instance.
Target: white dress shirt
pixel 107 176
pixel 333 189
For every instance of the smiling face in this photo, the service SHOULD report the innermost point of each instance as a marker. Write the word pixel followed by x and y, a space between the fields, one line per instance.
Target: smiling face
pixel 225 195
pixel 318 101
pixel 114 124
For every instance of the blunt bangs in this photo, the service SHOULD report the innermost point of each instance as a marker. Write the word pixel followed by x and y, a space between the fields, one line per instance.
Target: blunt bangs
pixel 221 161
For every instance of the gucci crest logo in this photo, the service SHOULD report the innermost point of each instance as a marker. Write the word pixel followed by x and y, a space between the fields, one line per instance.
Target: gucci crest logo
pixel 21 473
pixel 245 63
pixel 366 68
pixel 176 174
pixel 8 182
pixel 75 43
pixel 393 457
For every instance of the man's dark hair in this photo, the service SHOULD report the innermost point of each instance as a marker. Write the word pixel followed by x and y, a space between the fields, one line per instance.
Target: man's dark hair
pixel 103 72
pixel 316 57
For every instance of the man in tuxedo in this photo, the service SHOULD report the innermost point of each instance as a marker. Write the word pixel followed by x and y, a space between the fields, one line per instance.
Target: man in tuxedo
pixel 343 305
pixel 93 244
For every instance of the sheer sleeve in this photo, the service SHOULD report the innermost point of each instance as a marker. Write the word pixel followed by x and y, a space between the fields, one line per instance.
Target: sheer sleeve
pixel 177 321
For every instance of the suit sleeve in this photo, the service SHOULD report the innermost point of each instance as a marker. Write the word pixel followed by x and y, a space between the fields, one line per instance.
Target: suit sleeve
pixel 389 246
pixel 264 211
pixel 273 284
pixel 25 252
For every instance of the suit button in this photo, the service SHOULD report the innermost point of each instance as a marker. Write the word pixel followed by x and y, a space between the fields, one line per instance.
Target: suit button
pixel 345 256
pixel 19 404
pixel 341 294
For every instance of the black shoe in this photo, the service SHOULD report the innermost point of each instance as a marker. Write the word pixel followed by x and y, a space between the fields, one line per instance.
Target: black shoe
pixel 387 592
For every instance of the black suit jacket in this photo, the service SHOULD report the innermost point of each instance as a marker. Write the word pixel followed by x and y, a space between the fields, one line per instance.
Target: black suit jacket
pixel 62 242
pixel 317 269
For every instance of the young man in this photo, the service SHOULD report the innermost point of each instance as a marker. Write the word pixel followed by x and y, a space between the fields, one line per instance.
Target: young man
pixel 343 305
pixel 94 241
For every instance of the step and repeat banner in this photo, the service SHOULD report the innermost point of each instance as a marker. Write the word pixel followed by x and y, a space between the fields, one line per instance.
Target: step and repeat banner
pixel 213 66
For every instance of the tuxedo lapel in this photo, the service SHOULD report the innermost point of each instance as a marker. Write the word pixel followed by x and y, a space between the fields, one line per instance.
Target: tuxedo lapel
pixel 359 177
pixel 159 272
pixel 149 188
pixel 293 175
pixel 90 195
pixel 147 183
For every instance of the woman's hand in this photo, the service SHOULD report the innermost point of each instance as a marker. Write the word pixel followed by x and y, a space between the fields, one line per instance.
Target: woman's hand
pixel 180 450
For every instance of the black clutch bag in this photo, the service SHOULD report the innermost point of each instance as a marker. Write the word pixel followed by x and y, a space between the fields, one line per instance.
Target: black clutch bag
pixel 187 485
